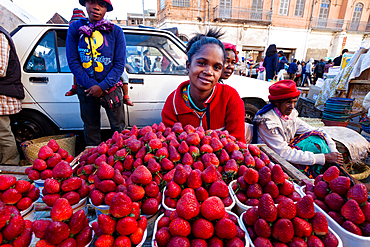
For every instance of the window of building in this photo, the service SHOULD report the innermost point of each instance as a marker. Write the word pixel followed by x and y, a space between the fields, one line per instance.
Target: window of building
pixel 225 8
pixel 225 3
pixel 132 21
pixel 324 9
pixel 299 7
pixel 162 4
pixel 357 13
pixel 257 4
pixel 181 3
pixel 284 6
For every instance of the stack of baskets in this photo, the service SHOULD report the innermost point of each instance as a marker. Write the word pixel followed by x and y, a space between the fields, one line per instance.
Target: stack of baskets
pixel 337 111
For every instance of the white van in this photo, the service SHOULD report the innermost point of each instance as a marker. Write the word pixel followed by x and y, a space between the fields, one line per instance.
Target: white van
pixel 46 77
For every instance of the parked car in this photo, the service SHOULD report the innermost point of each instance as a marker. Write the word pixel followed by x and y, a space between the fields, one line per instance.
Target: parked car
pixel 46 77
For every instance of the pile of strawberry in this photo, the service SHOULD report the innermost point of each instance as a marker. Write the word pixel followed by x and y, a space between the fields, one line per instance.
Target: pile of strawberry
pixel 255 181
pixel 49 157
pixel 287 224
pixel 347 205
pixel 192 224
pixel 65 229
pixel 19 193
pixel 73 189
pixel 14 230
pixel 201 184
pixel 123 226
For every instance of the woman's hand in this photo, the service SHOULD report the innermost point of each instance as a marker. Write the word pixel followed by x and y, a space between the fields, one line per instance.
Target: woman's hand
pixel 334 157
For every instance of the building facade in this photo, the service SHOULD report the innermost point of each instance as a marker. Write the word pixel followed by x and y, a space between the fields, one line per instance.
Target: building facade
pixel 301 28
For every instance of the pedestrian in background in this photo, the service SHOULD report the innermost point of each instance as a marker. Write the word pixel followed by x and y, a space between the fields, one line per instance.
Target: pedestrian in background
pixel 319 70
pixel 292 70
pixel 147 61
pixel 98 39
pixel 338 60
pixel 328 65
pixel 11 93
pixel 281 66
pixel 308 73
pixel 261 71
pixel 298 74
pixel 271 62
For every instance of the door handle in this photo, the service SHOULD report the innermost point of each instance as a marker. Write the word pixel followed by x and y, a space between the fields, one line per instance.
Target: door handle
pixel 136 81
pixel 39 79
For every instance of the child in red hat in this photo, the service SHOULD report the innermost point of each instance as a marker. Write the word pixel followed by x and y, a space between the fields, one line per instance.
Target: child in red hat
pixel 277 125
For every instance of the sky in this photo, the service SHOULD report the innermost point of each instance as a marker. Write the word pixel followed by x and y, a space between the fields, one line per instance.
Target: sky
pixel 43 10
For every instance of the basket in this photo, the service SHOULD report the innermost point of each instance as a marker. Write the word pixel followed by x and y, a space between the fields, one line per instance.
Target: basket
pixel 31 148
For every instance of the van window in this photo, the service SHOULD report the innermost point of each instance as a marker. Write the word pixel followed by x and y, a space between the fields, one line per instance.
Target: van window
pixel 153 54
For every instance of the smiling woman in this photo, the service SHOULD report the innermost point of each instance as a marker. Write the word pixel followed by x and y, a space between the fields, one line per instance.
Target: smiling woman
pixel 202 101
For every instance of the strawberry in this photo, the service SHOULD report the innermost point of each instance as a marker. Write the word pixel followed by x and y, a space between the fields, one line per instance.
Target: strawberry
pixel 330 174
pixel 272 189
pixel 105 171
pixel 267 209
pixel 224 156
pixel 209 175
pixel 358 193
pixel 313 241
pixel 174 156
pixel 46 174
pixel 297 242
pixel 188 207
pixel 50 199
pixel 163 236
pixel 319 224
pixel 72 197
pixel 301 227
pixel 262 228
pixel 62 170
pixel 352 227
pixel 283 230
pixel 53 161
pixel 336 216
pixel 322 205
pixel 258 163
pixel 39 164
pixel 265 158
pixel 366 229
pixel 61 210
pixel 225 229
pixel 69 158
pixel 193 139
pixel 254 150
pixel 78 221
pixel 73 183
pixel 107 186
pixel 24 203
pixel 352 211
pixel 212 208
pixel 194 180
pixel 329 240
pixel 122 241
pixel 33 175
pixel 180 175
pixel 180 227
pixel 251 176
pixel 238 156
pixel 100 159
pixel 14 228
pixel 277 174
pixel 152 189
pixel 286 188
pixel 366 209
pixel 40 243
pixel 135 192
pixel 97 197
pixel 104 241
pixel 254 191
pixel 51 186
pixel 264 175
pixel 121 205
pixel 150 206
pixel 340 185
pixel 249 161
pixel 183 148
pixel 202 229
pixel 45 152
pixel 321 189
pixel 141 175
pixel 220 189
pixel 57 232
pixel 179 241
pixel 106 224
pixel 137 236
pixel 216 144
pixel 262 242
pixel 210 159
pixel 286 209
pixel 305 208
pixel 11 196
pixel 194 152
pixel 53 145
pixel 201 194
pixel 250 216
pixel 24 239
pixel 198 243
pixel 334 201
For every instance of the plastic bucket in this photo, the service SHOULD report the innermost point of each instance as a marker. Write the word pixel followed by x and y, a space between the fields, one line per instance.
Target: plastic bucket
pixel 348 238
pixel 151 221
pixel 229 208
pixel 82 204
pixel 154 242
pixel 241 207
pixel 241 223
pixel 29 213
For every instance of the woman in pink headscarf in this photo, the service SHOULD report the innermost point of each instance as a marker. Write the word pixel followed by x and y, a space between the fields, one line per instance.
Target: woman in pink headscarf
pixel 231 60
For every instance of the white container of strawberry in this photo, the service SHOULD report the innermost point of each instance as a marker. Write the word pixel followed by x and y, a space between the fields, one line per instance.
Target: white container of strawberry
pixel 287 224
pixel 345 206
pixel 192 224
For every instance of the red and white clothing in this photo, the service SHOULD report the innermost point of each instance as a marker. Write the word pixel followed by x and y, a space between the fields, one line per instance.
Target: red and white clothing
pixel 226 111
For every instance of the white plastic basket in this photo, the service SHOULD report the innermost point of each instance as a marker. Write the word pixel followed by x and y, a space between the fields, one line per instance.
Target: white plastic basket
pixel 241 223
pixel 348 238
pixel 29 213
pixel 154 242
pixel 241 207
pixel 229 208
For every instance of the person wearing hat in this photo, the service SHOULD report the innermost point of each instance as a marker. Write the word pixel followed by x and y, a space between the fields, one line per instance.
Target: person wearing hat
pixel 281 66
pixel 96 53
pixel 231 60
pixel 157 66
pixel 277 125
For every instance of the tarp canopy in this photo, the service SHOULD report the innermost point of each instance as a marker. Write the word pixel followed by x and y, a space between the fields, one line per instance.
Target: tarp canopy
pixel 11 15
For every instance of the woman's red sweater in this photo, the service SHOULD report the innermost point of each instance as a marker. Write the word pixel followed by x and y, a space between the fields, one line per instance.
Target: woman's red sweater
pixel 225 105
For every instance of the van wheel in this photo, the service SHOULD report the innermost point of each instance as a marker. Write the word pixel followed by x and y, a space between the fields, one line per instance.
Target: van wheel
pixel 28 125
pixel 250 112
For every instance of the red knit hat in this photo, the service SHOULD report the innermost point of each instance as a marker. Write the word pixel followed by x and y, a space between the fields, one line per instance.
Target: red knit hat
pixel 285 89
pixel 229 46
pixel 109 4
pixel 77 14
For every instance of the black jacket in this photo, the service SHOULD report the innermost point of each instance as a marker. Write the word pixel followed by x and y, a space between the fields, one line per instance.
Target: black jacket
pixel 11 84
